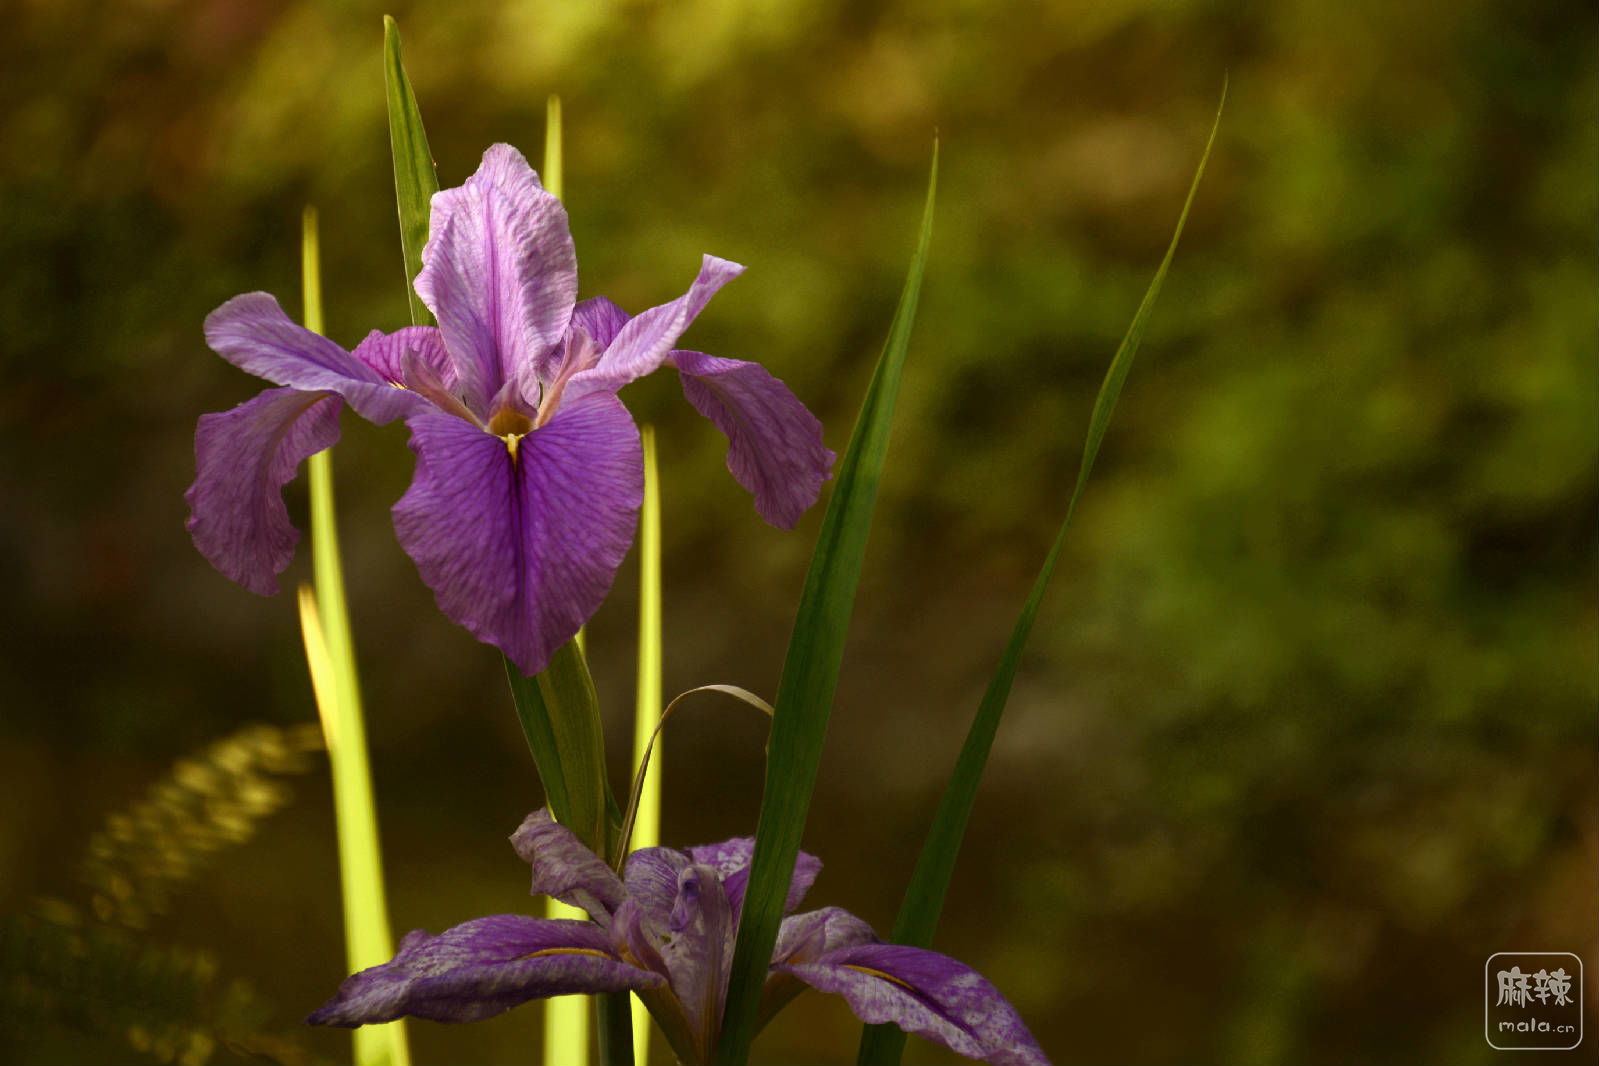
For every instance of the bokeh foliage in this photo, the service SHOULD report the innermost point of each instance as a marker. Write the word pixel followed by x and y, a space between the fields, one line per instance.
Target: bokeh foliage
pixel 1308 727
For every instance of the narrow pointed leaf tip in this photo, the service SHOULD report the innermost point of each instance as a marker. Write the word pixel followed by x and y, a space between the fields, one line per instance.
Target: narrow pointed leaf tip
pixel 810 669
pixel 882 1045
pixel 415 177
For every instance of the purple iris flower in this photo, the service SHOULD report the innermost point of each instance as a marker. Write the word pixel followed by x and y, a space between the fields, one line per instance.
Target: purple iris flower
pixel 666 932
pixel 529 471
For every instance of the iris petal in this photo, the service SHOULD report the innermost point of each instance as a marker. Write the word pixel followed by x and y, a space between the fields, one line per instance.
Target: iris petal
pixel 731 859
pixel 651 876
pixel 243 458
pixel 774 445
pixel 521 547
pixel 389 353
pixel 641 345
pixel 565 869
pixel 924 993
pixel 699 953
pixel 482 968
pixel 601 319
pixel 808 936
pixel 500 273
pixel 253 333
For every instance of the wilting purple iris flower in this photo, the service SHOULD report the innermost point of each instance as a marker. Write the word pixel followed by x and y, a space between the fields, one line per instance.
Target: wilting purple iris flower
pixel 529 472
pixel 666 932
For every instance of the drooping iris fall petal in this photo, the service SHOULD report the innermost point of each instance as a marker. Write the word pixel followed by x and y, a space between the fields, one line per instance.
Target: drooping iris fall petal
pixel 243 458
pixel 924 993
pixel 774 445
pixel 519 541
pixel 481 968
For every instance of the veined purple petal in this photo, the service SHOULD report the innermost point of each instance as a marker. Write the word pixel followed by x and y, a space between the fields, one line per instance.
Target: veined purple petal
pixel 500 273
pixel 253 333
pixel 925 993
pixel 807 937
pixel 636 939
pixel 774 445
pixel 415 358
pixel 731 860
pixel 643 343
pixel 699 953
pixel 600 319
pixel 243 458
pixel 564 868
pixel 521 549
pixel 651 878
pixel 389 354
pixel 803 938
pixel 482 968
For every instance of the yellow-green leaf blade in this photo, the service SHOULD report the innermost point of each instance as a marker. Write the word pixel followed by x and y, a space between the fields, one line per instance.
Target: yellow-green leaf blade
pixel 330 654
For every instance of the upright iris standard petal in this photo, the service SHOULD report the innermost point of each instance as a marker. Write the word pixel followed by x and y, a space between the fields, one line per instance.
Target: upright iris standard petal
pixel 601 319
pixel 520 539
pixel 500 273
pixel 924 993
pixel 731 860
pixel 482 968
pixel 395 356
pixel 698 952
pixel 243 458
pixel 253 333
pixel 651 875
pixel 641 345
pixel 774 445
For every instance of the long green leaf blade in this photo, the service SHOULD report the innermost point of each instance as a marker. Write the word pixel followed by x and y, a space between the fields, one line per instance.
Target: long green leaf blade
pixel 810 669
pixel 415 178
pixel 325 621
pixel 882 1045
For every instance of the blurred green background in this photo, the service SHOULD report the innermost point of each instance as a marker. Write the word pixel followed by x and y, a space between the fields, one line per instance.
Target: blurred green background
pixel 1308 728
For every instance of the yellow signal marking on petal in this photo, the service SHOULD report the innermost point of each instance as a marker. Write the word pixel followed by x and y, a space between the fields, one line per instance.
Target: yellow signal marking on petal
pixel 511 440
pixel 868 971
pixel 569 951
